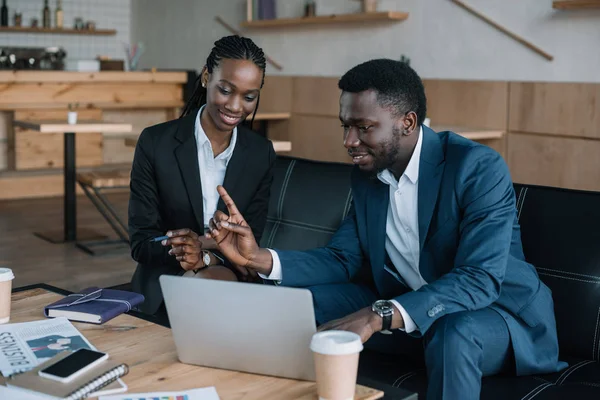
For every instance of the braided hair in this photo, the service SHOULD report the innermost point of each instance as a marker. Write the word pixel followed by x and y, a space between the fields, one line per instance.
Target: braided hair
pixel 229 47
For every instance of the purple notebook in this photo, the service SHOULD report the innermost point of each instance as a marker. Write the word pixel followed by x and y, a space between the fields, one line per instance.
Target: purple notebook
pixel 94 305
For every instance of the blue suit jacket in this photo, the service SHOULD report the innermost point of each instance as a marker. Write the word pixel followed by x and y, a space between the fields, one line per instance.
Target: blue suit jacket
pixel 470 242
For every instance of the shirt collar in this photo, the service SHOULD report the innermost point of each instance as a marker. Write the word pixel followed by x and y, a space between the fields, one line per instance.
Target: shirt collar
pixel 201 137
pixel 412 169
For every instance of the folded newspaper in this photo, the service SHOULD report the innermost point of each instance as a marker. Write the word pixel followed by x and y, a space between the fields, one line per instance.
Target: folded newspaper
pixel 25 345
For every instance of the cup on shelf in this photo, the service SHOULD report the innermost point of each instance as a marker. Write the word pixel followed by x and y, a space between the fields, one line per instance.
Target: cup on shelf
pixel 369 6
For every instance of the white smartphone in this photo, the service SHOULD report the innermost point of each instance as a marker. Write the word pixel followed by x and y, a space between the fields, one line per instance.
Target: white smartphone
pixel 73 365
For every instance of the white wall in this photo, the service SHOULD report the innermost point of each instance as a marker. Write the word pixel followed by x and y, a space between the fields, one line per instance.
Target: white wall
pixel 441 39
pixel 107 14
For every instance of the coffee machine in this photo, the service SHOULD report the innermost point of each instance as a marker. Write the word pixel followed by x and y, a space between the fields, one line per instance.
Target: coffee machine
pixel 32 58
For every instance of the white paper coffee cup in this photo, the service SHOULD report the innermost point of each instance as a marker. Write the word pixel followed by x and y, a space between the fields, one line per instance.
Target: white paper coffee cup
pixel 6 278
pixel 336 356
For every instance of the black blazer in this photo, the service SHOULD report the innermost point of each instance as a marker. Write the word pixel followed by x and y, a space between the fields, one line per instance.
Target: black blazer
pixel 166 193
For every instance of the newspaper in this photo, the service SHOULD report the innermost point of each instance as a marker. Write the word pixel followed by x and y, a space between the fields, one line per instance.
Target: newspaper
pixel 25 345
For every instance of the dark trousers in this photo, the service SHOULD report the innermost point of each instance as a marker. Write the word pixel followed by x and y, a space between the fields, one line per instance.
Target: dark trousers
pixel 458 349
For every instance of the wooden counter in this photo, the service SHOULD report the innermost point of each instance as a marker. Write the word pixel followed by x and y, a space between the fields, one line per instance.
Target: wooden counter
pixel 102 76
pixel 26 90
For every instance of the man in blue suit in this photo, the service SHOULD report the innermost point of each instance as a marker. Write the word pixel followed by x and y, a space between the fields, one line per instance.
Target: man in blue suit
pixel 434 221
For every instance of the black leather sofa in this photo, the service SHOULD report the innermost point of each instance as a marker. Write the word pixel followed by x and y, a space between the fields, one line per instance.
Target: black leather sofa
pixel 561 237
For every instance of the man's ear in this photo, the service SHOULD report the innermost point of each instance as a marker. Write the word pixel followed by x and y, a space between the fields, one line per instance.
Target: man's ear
pixel 409 123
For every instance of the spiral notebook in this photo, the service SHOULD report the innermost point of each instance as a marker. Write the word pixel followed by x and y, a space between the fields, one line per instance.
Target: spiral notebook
pixel 92 381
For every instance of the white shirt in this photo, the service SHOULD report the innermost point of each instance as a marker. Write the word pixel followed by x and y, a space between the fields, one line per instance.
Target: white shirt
pixel 402 226
pixel 401 229
pixel 212 169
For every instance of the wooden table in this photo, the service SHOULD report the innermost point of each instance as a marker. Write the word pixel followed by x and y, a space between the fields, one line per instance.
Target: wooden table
pixel 150 352
pixel 69 232
pixel 472 133
pixel 278 145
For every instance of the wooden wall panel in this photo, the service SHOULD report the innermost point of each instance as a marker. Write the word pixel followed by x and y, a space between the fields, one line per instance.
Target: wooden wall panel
pixel 317 138
pixel 565 109
pixel 476 104
pixel 34 150
pixel 554 161
pixel 114 150
pixel 88 114
pixel 316 96
pixel 276 94
pixel 5 133
pixel 279 130
pixel 139 119
pixel 3 154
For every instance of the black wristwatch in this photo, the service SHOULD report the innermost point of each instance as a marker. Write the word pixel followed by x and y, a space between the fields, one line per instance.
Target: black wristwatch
pixel 385 309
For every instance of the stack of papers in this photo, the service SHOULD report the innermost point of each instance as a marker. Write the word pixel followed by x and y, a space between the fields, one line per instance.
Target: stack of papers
pixel 209 393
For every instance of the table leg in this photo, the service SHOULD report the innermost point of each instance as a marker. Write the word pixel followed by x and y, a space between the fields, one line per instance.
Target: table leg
pixel 69 232
pixel 70 203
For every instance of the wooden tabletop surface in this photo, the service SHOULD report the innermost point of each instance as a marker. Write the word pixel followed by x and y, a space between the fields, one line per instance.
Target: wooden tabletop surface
pixel 83 127
pixel 150 352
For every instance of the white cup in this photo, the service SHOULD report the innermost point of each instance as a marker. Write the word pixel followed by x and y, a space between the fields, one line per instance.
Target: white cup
pixel 72 117
pixel 336 356
pixel 6 277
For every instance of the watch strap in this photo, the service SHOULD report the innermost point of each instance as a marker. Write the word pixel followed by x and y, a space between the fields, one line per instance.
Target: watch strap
pixel 387 321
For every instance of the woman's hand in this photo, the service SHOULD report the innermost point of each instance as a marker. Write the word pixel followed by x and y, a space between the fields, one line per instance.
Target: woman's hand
pixel 187 246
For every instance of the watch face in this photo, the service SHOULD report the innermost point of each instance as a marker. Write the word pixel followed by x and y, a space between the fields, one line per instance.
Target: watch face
pixel 206 259
pixel 382 305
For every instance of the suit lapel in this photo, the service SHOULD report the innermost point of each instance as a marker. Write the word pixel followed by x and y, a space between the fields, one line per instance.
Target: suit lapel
pixel 378 195
pixel 187 160
pixel 235 167
pixel 431 167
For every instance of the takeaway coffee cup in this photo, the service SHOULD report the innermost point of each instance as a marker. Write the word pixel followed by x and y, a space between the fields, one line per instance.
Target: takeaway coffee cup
pixel 336 363
pixel 6 277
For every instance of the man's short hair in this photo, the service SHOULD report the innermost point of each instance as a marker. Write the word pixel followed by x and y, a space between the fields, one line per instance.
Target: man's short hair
pixel 397 85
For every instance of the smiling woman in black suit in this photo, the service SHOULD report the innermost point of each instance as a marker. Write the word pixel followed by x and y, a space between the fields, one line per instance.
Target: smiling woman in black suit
pixel 178 164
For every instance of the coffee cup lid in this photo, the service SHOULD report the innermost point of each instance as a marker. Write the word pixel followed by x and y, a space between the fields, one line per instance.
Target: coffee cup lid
pixel 6 274
pixel 336 343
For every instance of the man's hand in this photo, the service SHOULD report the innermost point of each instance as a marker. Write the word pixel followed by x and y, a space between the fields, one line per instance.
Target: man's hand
pixel 364 323
pixel 235 239
pixel 186 246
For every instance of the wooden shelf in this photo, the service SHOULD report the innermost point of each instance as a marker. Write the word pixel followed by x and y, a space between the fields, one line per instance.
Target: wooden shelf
pixel 64 31
pixel 575 4
pixel 383 16
pixel 472 133
pixel 260 116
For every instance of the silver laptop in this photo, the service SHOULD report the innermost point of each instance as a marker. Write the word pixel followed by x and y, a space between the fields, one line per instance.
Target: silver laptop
pixel 254 328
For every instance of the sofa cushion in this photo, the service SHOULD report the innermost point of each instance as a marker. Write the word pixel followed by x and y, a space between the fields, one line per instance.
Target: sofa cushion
pixel 309 200
pixel 580 380
pixel 560 230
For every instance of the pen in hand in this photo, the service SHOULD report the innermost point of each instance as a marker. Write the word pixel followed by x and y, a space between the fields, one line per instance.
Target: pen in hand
pixel 158 239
